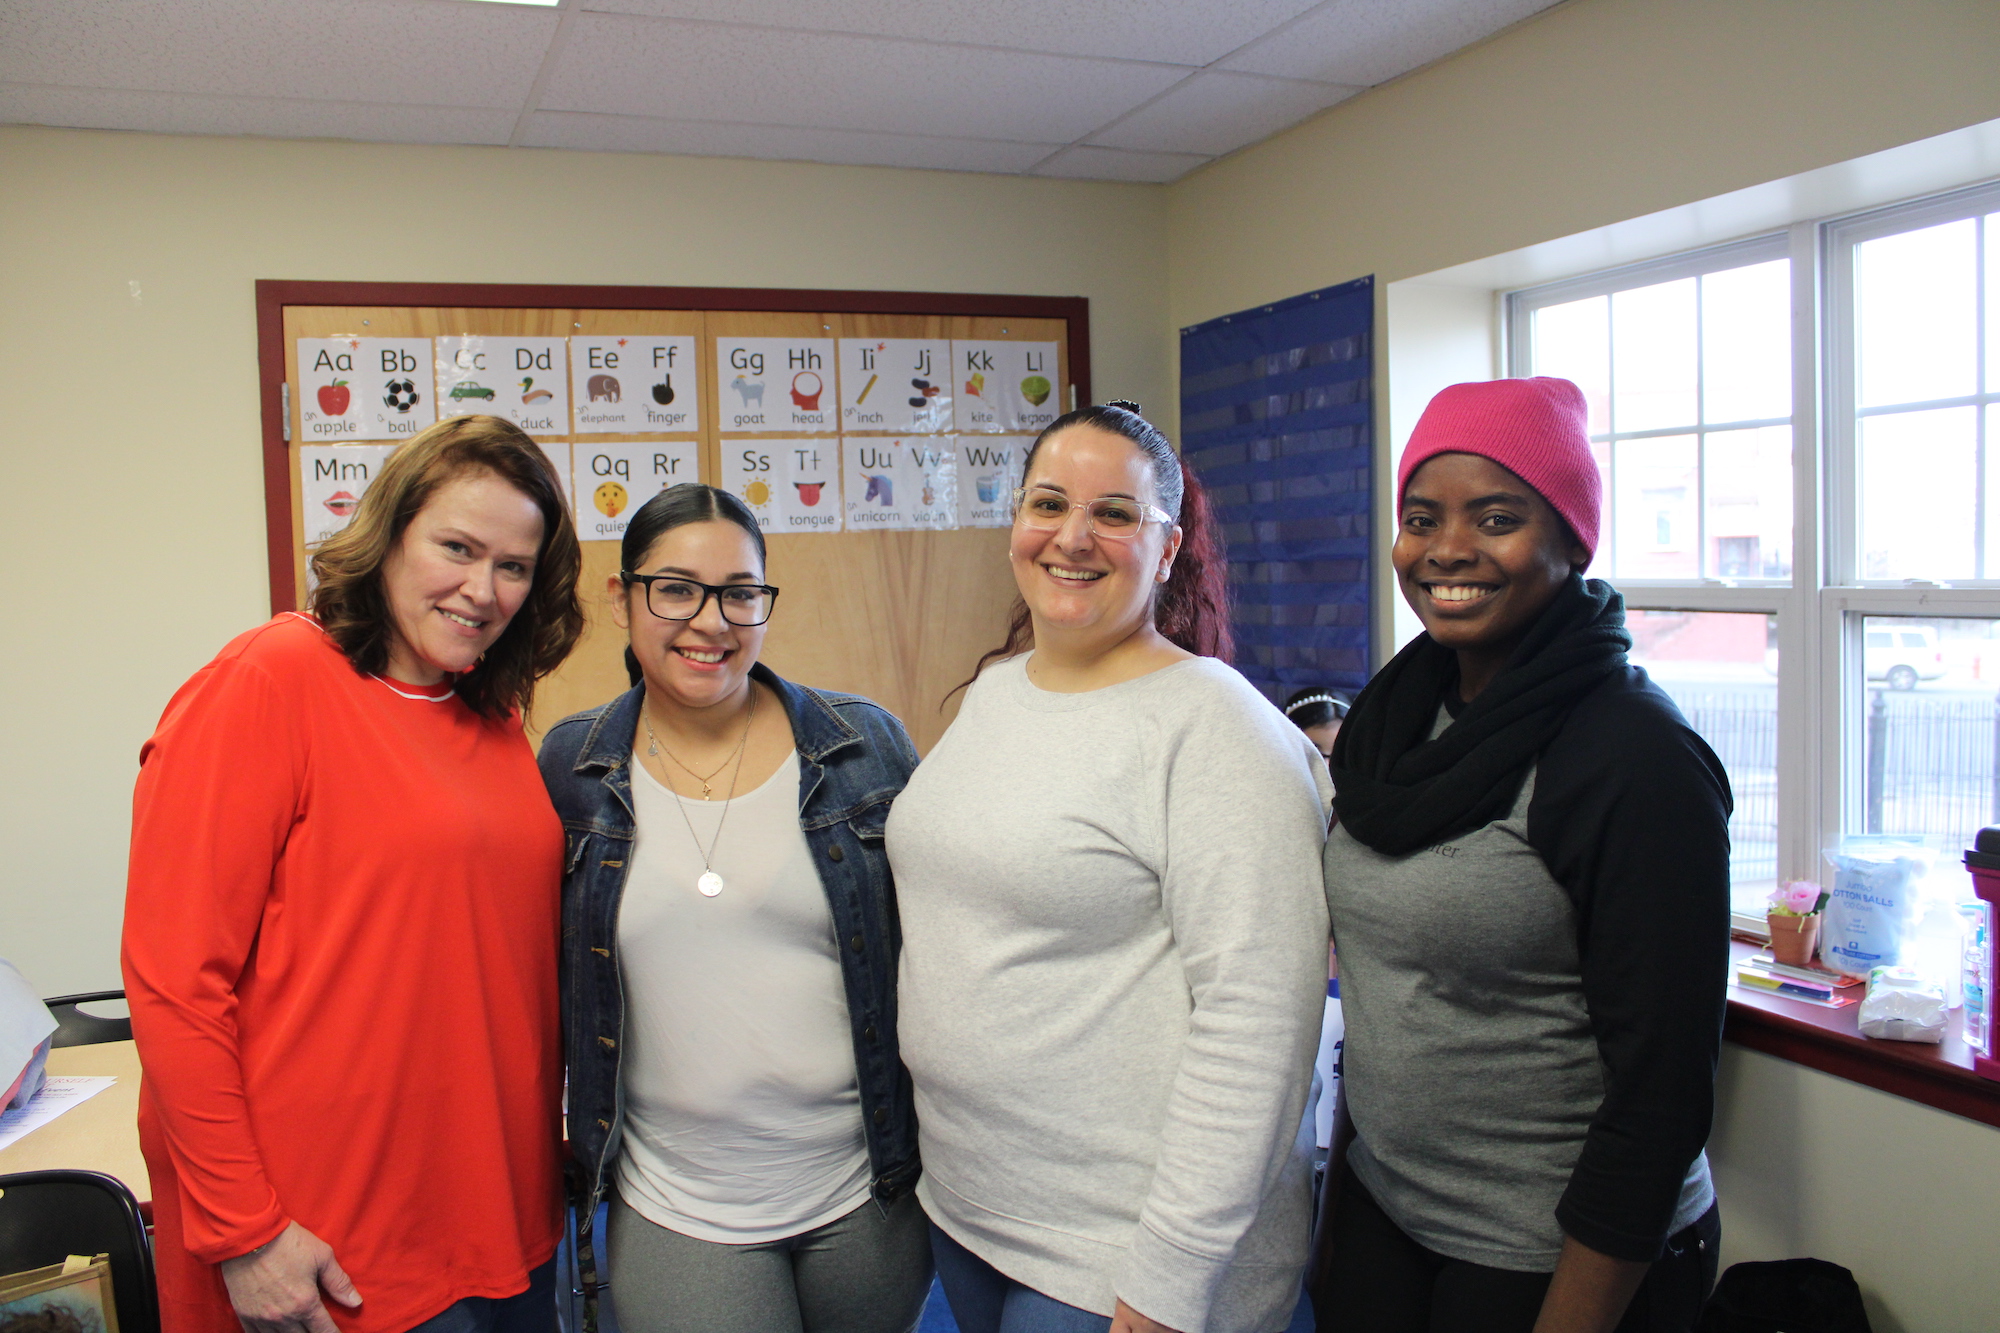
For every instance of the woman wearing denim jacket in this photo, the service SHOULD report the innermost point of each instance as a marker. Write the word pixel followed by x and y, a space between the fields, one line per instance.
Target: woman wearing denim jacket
pixel 730 941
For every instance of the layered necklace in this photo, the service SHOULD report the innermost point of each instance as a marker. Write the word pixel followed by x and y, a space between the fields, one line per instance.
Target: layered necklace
pixel 710 884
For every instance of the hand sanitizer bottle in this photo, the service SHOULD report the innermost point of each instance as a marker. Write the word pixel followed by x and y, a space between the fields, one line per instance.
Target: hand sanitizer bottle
pixel 1976 974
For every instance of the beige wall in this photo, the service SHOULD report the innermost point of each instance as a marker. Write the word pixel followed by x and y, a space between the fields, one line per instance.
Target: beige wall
pixel 129 431
pixel 1592 113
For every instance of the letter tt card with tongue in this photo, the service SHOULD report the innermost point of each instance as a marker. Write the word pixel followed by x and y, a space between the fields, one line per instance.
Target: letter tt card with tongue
pixel 634 382
pixel 525 380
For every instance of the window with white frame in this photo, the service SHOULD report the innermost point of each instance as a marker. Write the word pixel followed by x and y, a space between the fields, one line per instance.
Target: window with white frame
pixel 1800 442
pixel 1686 365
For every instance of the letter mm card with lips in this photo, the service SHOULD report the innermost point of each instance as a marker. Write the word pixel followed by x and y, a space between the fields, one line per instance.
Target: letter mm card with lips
pixel 900 485
pixel 525 380
pixel 642 382
pixel 364 388
pixel 1005 387
pixel 790 485
pixel 989 470
pixel 780 385
pixel 898 386
pixel 615 477
pixel 332 480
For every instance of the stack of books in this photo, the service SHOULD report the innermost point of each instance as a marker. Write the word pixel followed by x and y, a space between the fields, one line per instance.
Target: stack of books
pixel 1814 985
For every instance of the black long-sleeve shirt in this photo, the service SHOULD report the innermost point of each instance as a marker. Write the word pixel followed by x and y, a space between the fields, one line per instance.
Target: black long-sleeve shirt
pixel 1534 1009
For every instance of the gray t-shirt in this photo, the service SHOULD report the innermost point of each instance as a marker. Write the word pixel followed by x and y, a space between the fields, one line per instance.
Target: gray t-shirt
pixel 1471 1072
pixel 1113 973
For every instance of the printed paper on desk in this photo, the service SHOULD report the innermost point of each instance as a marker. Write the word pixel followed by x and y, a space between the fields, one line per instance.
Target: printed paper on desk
pixel 59 1094
pixel 634 382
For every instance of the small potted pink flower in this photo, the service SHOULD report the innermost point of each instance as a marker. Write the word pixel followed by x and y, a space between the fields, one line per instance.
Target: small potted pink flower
pixel 1794 920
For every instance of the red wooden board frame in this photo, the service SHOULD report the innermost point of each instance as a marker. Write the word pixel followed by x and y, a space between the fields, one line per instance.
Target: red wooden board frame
pixel 273 295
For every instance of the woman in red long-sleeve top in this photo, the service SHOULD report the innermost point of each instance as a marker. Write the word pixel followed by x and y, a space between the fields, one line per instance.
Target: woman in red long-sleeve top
pixel 341 925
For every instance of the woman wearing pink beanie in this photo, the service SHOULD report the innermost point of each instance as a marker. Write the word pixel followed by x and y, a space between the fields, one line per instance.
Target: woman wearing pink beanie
pixel 1529 888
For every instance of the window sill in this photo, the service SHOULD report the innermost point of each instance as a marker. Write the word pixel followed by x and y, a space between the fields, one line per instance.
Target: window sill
pixel 1828 1040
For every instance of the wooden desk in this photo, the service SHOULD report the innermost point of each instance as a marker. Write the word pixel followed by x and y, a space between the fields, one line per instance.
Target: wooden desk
pixel 101 1134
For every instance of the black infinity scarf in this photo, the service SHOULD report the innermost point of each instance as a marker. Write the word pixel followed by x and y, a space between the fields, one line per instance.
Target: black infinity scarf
pixel 1399 792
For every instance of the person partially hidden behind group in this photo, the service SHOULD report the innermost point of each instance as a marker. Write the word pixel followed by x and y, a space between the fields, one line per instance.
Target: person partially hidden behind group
pixel 729 949
pixel 1318 713
pixel 1529 886
pixel 1115 936
pixel 340 925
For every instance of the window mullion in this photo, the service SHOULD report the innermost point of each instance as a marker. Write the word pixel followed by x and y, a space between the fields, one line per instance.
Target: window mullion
pixel 1802 769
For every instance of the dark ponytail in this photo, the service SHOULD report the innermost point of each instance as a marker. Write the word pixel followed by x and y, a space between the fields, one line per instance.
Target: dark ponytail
pixel 1192 608
pixel 675 507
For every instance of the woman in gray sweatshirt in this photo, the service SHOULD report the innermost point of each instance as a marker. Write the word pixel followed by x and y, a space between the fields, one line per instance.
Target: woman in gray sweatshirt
pixel 1114 955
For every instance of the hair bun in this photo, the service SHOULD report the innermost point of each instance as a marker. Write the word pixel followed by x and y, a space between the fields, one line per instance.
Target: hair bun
pixel 1126 405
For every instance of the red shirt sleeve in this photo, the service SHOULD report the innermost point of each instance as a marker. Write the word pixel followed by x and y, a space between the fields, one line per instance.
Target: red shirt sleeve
pixel 220 785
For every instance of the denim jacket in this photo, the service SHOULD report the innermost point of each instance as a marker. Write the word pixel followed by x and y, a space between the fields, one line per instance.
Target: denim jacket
pixel 854 758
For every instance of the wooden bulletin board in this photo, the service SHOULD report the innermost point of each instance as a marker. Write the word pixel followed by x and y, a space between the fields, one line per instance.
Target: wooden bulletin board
pixel 898 616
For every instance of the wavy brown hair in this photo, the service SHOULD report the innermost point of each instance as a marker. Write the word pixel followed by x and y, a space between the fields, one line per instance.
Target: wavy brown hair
pixel 1191 609
pixel 348 598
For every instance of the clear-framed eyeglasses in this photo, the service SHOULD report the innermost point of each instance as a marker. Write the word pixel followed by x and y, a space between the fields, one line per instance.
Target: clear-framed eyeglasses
pixel 671 597
pixel 1113 516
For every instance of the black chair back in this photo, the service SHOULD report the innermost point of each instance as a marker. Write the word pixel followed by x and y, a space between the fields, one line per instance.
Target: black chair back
pixel 76 1028
pixel 46 1216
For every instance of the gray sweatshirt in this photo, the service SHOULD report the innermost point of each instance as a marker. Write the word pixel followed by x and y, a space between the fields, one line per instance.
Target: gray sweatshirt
pixel 1113 971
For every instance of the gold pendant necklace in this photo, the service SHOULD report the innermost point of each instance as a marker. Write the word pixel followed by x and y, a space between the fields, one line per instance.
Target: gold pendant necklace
pixel 710 884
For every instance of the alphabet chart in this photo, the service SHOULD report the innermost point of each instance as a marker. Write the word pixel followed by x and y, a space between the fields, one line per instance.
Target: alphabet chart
pixel 989 470
pixel 1006 386
pixel 780 385
pixel 615 477
pixel 790 485
pixel 525 380
pixel 632 382
pixel 901 386
pixel 364 388
pixel 332 480
pixel 908 484
pixel 883 486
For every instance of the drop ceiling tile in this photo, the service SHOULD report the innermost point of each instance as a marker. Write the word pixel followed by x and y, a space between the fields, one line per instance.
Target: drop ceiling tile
pixel 407 51
pixel 187 113
pixel 1084 162
pixel 676 70
pixel 1365 42
pixel 635 134
pixel 1217 113
pixel 1183 32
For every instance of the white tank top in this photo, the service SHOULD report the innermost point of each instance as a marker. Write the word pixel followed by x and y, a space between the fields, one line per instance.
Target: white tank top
pixel 742 1109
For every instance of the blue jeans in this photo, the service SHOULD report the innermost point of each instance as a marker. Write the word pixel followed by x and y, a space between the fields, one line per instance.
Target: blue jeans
pixel 985 1300
pixel 532 1311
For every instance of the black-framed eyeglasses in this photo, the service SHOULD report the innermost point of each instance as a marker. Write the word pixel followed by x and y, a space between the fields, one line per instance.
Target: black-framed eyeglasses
pixel 671 597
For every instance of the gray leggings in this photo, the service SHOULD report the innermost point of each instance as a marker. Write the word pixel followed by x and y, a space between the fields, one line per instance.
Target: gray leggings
pixel 867 1272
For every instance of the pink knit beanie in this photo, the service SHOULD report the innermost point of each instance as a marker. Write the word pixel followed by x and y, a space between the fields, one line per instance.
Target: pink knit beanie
pixel 1535 428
